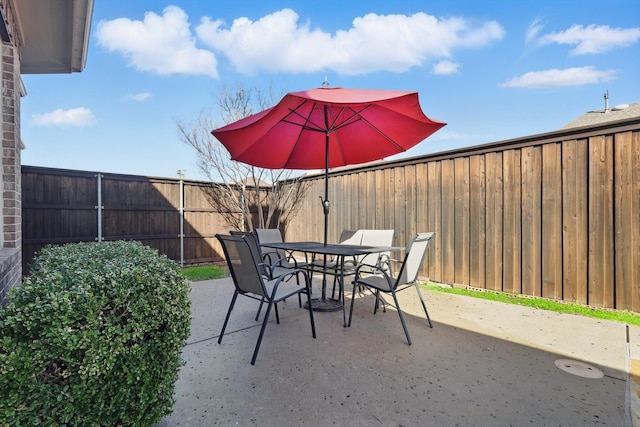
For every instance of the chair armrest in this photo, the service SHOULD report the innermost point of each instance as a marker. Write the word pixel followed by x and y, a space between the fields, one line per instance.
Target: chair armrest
pixel 283 277
pixel 267 257
pixel 370 269
pixel 384 261
pixel 265 269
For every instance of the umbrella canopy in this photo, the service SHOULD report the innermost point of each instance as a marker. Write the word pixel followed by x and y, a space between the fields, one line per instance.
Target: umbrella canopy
pixel 328 127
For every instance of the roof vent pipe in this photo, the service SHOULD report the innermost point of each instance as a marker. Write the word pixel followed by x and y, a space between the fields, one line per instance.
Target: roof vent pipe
pixel 606 102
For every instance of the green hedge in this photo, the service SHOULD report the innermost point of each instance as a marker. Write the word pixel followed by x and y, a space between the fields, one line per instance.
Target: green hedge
pixel 93 337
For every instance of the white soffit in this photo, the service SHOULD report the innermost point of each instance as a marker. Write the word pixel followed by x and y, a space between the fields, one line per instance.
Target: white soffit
pixel 54 35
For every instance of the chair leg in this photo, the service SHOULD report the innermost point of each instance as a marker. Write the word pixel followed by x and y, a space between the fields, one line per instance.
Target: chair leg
pixel 259 309
pixel 264 326
pixel 377 304
pixel 341 299
pixel 313 323
pixel 226 319
pixel 353 297
pixel 423 305
pixel 333 291
pixel 404 326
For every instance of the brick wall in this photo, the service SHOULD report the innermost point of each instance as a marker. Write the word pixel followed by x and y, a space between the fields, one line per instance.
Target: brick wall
pixel 11 85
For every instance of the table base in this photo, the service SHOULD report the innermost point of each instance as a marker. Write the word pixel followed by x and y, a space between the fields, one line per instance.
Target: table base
pixel 328 304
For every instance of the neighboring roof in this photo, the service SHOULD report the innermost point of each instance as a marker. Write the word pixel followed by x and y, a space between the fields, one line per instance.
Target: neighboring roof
pixel 619 112
pixel 251 182
pixel 54 35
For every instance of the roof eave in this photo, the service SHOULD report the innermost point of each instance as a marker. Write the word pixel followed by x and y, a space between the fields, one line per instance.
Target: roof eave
pixel 54 35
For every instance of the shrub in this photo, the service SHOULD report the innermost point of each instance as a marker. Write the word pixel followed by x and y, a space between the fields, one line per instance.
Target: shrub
pixel 93 337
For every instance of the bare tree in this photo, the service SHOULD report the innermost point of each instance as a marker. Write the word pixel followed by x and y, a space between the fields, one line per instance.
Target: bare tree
pixel 245 196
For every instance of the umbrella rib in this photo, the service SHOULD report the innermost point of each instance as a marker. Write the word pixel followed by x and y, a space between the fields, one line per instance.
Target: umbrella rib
pixel 329 127
pixel 307 119
pixel 303 127
pixel 377 129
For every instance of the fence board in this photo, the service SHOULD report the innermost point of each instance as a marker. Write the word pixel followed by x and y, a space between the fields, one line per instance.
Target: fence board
pixel 434 193
pixel 447 236
pixel 423 210
pixel 352 206
pixel 601 242
pixel 379 204
pixel 409 208
pixel 512 222
pixel 477 213
pixel 574 219
pixel 400 205
pixel 532 221
pixel 388 221
pixel 364 188
pixel 551 221
pixel 627 220
pixel 461 220
pixel 493 229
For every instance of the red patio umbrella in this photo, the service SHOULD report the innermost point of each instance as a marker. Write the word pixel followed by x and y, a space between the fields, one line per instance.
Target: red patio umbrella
pixel 328 127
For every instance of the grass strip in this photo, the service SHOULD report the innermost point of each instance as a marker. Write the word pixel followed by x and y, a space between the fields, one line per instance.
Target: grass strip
pixel 628 317
pixel 204 272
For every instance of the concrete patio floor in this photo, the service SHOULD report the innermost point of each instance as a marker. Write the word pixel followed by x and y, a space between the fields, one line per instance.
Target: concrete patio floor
pixel 483 364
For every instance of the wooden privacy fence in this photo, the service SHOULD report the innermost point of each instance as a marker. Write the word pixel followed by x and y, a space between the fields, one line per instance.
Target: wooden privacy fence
pixel 172 215
pixel 555 215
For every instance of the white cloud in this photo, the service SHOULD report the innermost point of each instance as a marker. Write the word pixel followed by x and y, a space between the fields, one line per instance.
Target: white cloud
pixel 278 43
pixel 532 32
pixel 160 44
pixel 593 38
pixel 75 117
pixel 576 76
pixel 445 67
pixel 142 96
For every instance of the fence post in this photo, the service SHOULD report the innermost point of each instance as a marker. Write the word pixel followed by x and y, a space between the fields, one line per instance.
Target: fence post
pixel 181 175
pixel 99 207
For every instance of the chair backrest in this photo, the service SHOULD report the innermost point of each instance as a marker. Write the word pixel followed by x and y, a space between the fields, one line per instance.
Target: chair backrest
pixel 413 258
pixel 376 238
pixel 270 235
pixel 350 237
pixel 243 264
pixel 252 239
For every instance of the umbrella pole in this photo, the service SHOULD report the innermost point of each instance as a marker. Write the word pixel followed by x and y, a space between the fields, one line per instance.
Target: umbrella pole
pixel 325 207
pixel 325 202
pixel 325 304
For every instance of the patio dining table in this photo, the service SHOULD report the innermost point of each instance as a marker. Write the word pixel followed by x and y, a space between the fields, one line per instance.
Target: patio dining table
pixel 340 252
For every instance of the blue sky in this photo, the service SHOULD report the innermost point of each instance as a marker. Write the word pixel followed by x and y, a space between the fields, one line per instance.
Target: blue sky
pixel 492 70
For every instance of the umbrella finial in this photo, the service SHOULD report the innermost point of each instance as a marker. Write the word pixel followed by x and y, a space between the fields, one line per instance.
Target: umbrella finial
pixel 325 83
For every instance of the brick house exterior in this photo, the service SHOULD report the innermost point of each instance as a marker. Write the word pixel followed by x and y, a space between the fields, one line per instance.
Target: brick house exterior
pixel 38 37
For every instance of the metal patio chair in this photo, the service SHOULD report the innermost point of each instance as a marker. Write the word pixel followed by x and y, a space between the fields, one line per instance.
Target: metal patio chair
pixel 273 235
pixel 249 280
pixel 384 281
pixel 270 267
pixel 365 238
